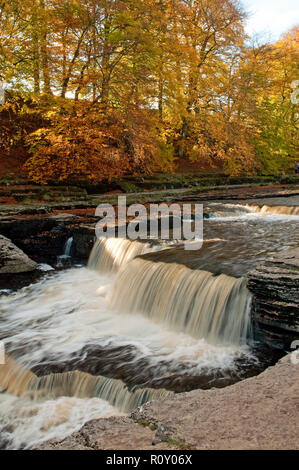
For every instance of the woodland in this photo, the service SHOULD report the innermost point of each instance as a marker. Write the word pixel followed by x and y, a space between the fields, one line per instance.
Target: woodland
pixel 99 89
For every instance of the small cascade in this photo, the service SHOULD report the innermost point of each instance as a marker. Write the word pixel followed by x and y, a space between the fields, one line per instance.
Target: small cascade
pixel 281 210
pixel 228 210
pixel 17 380
pixel 62 259
pixel 196 302
pixel 14 378
pixel 109 254
pixel 68 247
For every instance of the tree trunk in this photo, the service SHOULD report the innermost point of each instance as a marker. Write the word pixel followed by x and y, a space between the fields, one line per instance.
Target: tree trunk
pixel 44 51
pixel 35 55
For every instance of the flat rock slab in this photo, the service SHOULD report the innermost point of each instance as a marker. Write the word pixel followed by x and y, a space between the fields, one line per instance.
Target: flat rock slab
pixel 13 260
pixel 115 433
pixel 63 217
pixel 288 259
pixel 258 413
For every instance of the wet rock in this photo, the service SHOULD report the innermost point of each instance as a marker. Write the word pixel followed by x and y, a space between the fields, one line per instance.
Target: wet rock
pixel 275 307
pixel 83 240
pixel 13 282
pixel 40 237
pixel 13 260
pixel 65 218
pixel 45 247
pixel 17 228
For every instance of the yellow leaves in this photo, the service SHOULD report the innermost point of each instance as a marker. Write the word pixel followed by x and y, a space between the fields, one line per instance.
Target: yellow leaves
pixel 151 82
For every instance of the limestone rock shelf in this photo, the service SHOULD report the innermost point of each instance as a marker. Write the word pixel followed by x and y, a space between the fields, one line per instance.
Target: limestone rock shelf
pixel 275 307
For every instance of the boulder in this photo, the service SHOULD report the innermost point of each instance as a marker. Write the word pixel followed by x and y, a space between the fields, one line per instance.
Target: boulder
pixel 13 260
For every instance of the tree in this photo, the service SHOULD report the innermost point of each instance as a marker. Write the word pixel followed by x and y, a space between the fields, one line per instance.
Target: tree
pixel 149 81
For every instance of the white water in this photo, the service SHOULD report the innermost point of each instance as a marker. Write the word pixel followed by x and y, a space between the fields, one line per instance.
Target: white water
pixel 26 424
pixel 109 254
pixel 55 318
pixel 68 247
pixel 66 253
pixel 192 301
pixel 51 321
pixel 253 212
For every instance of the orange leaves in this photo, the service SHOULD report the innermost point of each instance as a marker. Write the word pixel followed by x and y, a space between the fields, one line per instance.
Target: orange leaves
pixel 92 146
pixel 109 87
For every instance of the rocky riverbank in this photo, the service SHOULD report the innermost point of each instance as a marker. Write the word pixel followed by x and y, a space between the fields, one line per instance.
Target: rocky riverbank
pixel 257 413
pixel 85 204
pixel 43 237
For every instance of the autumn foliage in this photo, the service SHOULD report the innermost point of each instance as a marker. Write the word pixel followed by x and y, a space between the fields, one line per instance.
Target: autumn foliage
pixel 95 146
pixel 102 88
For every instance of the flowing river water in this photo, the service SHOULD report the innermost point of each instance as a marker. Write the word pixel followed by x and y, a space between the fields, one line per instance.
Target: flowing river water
pixel 140 322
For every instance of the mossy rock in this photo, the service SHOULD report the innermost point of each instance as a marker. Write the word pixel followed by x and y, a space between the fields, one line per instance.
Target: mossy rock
pixel 128 187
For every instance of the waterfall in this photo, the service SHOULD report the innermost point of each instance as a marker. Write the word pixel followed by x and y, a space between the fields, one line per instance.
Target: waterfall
pixel 196 302
pixel 283 210
pixel 109 254
pixel 68 247
pixel 64 258
pixel 14 378
pixel 17 380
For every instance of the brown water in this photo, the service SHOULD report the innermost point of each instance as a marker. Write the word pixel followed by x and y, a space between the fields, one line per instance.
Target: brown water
pixel 88 343
pixel 245 238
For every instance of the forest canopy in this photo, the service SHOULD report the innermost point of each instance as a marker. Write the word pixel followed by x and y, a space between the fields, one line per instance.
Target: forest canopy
pixel 100 88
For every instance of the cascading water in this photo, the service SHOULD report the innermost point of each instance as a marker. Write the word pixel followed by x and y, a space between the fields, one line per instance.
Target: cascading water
pixel 25 424
pixel 33 416
pixel 109 254
pixel 66 253
pixel 17 380
pixel 43 409
pixel 281 210
pixel 193 301
pixel 155 325
pixel 68 247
